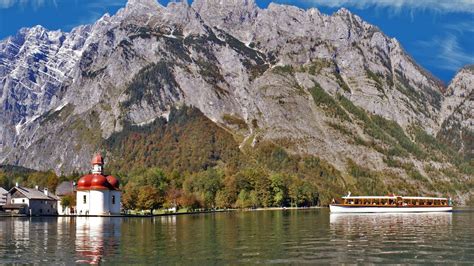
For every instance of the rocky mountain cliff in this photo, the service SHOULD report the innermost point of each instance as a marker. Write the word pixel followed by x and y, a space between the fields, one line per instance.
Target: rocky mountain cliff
pixel 331 86
pixel 457 115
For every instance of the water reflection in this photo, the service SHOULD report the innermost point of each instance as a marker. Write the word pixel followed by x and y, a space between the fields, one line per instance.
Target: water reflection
pixel 405 237
pixel 376 220
pixel 260 237
pixel 96 237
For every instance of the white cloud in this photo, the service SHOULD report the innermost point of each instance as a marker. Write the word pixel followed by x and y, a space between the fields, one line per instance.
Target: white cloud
pixel 7 3
pixel 461 27
pixel 441 6
pixel 25 3
pixel 449 52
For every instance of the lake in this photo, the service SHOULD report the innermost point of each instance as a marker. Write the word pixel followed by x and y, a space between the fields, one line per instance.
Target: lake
pixel 247 237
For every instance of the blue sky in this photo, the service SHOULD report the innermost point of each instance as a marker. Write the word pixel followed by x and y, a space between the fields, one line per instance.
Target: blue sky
pixel 439 34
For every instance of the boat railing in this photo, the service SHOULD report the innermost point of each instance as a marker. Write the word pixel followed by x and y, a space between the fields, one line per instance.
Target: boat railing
pixel 393 202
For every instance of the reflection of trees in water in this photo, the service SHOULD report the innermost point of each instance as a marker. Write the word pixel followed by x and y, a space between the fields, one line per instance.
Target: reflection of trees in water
pixel 96 237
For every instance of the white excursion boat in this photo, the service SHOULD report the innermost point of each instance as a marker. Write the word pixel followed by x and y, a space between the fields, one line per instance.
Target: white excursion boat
pixel 390 204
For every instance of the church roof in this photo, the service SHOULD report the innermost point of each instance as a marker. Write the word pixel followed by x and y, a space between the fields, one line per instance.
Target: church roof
pixel 98 182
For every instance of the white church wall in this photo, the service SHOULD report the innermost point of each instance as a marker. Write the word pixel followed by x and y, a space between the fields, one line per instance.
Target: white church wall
pixel 115 202
pixel 83 202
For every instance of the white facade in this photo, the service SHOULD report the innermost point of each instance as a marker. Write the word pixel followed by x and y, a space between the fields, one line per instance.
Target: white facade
pixel 63 211
pixel 98 202
pixel 35 201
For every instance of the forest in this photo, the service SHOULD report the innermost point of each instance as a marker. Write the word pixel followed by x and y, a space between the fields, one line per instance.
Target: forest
pixel 190 162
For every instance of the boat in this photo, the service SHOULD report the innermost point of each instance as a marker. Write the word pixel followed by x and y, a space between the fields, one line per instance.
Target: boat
pixel 390 204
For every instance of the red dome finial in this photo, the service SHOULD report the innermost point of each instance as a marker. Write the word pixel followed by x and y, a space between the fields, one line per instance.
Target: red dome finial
pixel 98 160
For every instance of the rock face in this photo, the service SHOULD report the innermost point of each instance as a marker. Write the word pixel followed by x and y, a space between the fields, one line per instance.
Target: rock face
pixel 63 94
pixel 457 113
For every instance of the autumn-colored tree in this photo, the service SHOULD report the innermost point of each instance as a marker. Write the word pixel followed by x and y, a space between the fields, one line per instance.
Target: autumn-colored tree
pixel 130 196
pixel 149 198
pixel 189 200
pixel 229 190
pixel 52 180
pixel 223 200
pixel 172 196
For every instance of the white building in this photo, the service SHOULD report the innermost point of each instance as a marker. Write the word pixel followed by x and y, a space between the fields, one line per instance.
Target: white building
pixel 3 197
pixel 66 189
pixel 98 194
pixel 31 201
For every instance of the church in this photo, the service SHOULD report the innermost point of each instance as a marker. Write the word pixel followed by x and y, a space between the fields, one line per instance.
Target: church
pixel 98 194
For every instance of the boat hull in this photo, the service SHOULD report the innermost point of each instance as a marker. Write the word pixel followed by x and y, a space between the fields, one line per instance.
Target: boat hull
pixel 395 209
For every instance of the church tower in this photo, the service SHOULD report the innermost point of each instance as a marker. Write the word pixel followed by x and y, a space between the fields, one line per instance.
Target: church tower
pixel 98 165
pixel 98 194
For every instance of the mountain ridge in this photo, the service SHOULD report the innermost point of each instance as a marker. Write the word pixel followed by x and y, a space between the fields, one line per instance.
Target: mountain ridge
pixel 290 83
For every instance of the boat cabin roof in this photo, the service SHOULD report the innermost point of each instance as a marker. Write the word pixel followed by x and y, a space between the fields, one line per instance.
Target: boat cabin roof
pixel 392 197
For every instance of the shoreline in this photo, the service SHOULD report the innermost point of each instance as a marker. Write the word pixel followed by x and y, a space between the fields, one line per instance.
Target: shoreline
pixel 3 215
pixel 169 214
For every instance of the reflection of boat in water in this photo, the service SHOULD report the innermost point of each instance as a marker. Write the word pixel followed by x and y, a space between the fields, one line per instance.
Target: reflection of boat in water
pixel 383 226
pixel 390 219
pixel 390 204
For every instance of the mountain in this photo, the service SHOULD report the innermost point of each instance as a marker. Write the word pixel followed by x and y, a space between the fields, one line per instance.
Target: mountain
pixel 331 87
pixel 457 113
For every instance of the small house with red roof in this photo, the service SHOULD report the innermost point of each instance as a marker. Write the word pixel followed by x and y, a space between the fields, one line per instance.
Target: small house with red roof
pixel 98 194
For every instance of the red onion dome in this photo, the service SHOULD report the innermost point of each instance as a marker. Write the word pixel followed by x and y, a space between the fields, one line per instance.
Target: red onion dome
pixel 99 182
pixel 98 160
pixel 114 183
pixel 84 182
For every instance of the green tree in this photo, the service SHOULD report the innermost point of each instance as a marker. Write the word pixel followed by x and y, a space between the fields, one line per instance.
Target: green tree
pixel 253 199
pixel 4 180
pixel 156 178
pixel 244 200
pixel 294 191
pixel 205 185
pixel 279 189
pixel 68 201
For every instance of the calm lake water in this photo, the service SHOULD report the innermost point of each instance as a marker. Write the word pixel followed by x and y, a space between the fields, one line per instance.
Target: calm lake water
pixel 290 236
